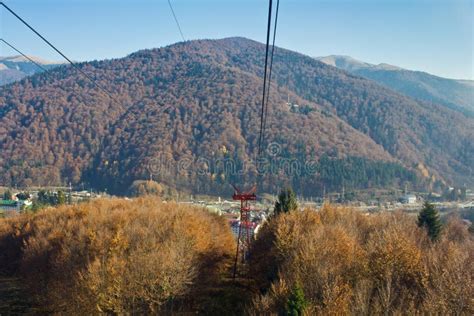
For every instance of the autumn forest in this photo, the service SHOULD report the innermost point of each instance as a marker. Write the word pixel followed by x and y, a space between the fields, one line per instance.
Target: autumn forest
pixel 176 112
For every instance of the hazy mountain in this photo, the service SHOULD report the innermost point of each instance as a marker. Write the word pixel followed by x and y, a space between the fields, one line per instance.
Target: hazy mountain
pixel 350 64
pixel 15 68
pixel 180 110
pixel 455 94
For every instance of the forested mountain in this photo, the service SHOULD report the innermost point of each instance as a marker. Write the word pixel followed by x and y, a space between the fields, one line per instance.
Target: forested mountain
pixel 188 114
pixel 455 94
pixel 15 68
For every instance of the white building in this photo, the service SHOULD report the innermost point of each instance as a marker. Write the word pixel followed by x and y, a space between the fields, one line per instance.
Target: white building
pixel 408 199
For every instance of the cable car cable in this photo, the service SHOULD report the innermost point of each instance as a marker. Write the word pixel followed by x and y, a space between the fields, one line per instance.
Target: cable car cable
pixel 176 20
pixel 59 52
pixel 265 79
pixel 270 72
pixel 19 52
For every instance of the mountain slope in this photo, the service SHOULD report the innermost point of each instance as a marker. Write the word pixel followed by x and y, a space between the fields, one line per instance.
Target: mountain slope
pixel 413 131
pixel 185 109
pixel 455 94
pixel 15 68
pixel 200 122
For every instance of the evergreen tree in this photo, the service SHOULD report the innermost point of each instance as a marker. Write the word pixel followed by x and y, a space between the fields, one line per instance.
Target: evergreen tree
pixel 48 198
pixel 286 202
pixel 429 219
pixel 7 195
pixel 296 303
pixel 61 198
pixel 43 197
pixel 23 196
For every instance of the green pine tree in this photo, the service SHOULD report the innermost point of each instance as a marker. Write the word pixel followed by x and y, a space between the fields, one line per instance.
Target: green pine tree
pixel 7 195
pixel 61 198
pixel 42 197
pixel 23 196
pixel 429 219
pixel 286 202
pixel 296 303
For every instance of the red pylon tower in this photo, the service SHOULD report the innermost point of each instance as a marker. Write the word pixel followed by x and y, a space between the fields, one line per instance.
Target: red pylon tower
pixel 244 236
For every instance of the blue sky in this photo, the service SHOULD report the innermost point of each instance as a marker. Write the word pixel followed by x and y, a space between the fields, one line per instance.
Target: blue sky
pixel 429 35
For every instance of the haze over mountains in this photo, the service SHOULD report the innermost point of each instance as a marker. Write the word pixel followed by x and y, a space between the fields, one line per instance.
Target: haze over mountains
pixel 455 94
pixel 15 68
pixel 181 108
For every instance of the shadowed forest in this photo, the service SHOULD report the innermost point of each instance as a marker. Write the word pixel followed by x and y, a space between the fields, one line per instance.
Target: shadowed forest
pixel 143 256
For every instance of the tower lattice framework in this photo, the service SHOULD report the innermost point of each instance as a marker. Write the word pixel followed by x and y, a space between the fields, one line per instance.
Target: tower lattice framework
pixel 245 226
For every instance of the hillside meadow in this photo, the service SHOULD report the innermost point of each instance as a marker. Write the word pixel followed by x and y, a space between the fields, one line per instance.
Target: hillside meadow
pixel 146 257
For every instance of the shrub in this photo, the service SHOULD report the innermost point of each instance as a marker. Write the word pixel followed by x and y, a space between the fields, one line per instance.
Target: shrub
pixel 116 256
pixel 144 187
pixel 347 262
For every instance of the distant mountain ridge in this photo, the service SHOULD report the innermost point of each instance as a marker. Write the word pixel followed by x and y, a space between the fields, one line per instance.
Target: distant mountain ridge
pixel 15 68
pixel 351 64
pixel 175 108
pixel 455 94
